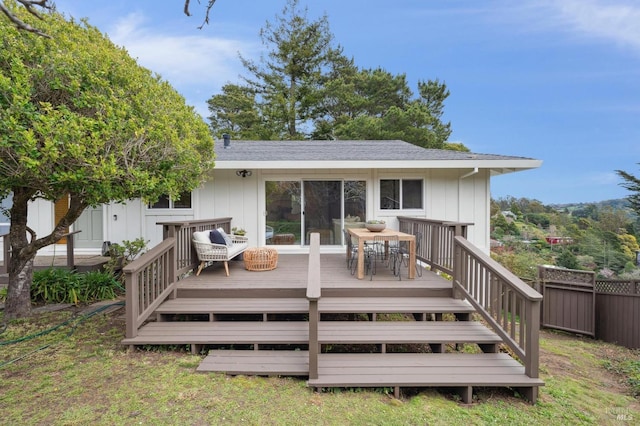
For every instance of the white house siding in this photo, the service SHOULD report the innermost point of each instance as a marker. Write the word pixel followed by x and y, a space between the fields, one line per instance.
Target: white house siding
pixel 447 197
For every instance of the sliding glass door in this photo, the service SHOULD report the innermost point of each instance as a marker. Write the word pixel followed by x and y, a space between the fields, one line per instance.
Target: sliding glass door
pixel 295 209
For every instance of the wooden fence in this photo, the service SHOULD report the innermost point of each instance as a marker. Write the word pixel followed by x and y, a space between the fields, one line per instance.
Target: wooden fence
pixel 617 312
pixel 569 300
pixel 577 302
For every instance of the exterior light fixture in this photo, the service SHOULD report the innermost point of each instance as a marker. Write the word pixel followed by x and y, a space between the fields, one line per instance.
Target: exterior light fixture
pixel 243 173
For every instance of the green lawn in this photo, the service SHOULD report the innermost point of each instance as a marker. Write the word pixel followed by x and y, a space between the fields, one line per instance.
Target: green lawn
pixel 79 374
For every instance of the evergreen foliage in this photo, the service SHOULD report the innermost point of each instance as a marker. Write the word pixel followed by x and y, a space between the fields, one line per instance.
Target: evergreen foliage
pixel 304 87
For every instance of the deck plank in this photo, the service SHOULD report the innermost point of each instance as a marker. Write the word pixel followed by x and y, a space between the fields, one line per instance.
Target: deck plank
pixel 289 280
pixel 280 363
pixel 400 332
pixel 234 305
pixel 332 305
pixel 236 332
pixel 407 370
pixel 329 332
pixel 393 305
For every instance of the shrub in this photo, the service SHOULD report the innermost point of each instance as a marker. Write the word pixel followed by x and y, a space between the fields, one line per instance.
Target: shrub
pixel 57 285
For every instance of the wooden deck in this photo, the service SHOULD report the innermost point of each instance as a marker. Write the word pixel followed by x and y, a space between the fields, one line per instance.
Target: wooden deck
pixel 289 279
pixel 256 323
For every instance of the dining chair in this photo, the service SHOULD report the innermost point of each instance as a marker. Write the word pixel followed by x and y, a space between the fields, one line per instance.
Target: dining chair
pixel 384 250
pixel 404 253
pixel 352 258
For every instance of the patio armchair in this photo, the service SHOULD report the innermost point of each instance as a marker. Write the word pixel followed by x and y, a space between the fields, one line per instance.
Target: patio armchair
pixel 209 252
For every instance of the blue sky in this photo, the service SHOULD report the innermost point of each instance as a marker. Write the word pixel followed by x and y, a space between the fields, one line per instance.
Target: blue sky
pixel 555 80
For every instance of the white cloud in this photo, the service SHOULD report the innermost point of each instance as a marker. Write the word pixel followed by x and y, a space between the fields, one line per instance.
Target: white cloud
pixel 618 21
pixel 615 21
pixel 196 65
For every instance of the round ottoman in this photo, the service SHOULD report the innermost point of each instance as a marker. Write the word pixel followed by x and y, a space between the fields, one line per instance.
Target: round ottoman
pixel 260 259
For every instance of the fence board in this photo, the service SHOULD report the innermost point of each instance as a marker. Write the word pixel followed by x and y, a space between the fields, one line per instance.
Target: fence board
pixel 571 304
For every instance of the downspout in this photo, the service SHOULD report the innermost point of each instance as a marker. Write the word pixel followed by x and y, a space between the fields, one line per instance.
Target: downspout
pixel 464 176
pixel 471 173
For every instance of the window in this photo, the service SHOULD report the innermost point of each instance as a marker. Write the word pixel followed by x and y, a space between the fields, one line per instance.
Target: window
pixel 165 202
pixel 396 194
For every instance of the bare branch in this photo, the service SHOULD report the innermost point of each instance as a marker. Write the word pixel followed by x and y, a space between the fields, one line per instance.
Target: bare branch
pixel 206 16
pixel 19 23
pixel 31 5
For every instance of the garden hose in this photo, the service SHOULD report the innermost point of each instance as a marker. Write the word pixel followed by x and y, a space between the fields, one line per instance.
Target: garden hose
pixel 74 320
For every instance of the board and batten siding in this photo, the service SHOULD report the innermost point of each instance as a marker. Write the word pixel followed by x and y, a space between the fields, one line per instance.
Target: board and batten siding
pixel 447 197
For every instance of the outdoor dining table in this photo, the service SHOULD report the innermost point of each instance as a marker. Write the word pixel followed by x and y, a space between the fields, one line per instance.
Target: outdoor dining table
pixel 363 234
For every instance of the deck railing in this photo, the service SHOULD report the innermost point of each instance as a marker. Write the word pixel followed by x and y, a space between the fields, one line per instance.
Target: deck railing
pixel 511 307
pixel 436 249
pixel 182 231
pixel 150 280
pixel 153 277
pixel 6 251
pixel 314 289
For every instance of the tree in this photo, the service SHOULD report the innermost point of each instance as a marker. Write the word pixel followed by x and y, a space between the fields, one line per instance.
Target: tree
pixel 288 80
pixel 632 183
pixel 236 113
pixel 306 88
pixel 35 6
pixel 81 120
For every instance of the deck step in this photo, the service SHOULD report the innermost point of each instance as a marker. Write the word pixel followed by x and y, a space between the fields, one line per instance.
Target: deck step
pixel 333 305
pixel 404 332
pixel 285 305
pixel 259 363
pixel 329 332
pixel 420 370
pixel 221 332
pixel 382 305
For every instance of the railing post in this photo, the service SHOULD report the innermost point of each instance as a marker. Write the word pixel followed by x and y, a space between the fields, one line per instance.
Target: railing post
pixel 6 251
pixel 132 310
pixel 457 269
pixel 70 260
pixel 313 295
pixel 173 269
pixel 532 344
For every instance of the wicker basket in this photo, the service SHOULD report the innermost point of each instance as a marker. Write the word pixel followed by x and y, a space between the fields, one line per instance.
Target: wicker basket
pixel 260 259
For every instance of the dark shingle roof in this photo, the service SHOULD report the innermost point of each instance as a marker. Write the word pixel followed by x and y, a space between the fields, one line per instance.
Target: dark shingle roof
pixel 340 150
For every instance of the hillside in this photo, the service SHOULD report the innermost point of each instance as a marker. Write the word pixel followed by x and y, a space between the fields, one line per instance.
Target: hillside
pixel 601 237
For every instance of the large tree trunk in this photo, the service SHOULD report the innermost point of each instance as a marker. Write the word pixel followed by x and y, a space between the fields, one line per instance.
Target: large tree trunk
pixel 19 292
pixel 21 259
pixel 24 249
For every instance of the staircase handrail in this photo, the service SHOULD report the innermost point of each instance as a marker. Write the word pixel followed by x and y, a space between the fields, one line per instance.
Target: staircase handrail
pixel 507 304
pixel 150 280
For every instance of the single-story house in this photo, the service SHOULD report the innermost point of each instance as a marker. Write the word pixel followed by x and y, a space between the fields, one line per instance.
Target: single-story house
pixel 280 191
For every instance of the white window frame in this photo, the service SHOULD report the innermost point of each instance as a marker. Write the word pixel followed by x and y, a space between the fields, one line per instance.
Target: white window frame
pixel 401 197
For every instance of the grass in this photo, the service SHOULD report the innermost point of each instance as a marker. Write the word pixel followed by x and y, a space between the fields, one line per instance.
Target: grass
pixel 83 376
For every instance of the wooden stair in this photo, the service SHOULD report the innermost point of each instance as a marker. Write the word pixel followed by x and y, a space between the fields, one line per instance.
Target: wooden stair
pixel 270 336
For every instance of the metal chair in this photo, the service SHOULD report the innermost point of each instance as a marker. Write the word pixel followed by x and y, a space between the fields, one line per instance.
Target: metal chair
pixel 404 253
pixel 385 249
pixel 352 258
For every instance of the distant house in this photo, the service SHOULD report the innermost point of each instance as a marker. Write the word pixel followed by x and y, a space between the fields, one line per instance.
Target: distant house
pixel 509 215
pixel 290 188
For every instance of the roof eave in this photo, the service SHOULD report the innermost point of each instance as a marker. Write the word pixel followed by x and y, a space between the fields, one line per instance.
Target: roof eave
pixel 497 167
